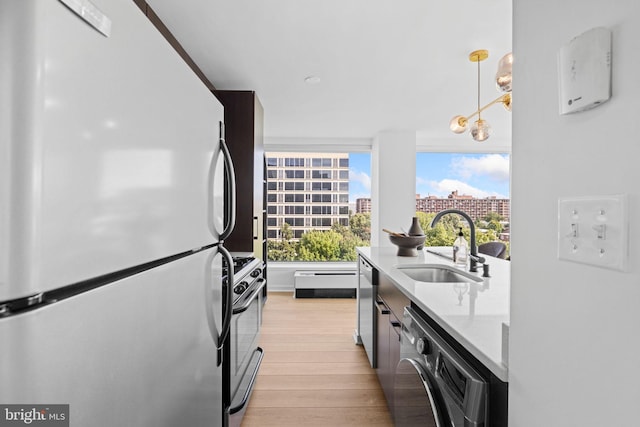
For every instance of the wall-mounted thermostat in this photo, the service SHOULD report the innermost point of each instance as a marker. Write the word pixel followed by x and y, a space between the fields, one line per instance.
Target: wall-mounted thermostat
pixel 584 71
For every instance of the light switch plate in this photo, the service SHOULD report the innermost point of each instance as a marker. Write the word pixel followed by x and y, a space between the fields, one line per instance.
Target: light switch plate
pixel 594 230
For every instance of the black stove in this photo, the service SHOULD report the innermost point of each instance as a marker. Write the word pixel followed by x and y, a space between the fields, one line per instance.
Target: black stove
pixel 246 270
pixel 240 262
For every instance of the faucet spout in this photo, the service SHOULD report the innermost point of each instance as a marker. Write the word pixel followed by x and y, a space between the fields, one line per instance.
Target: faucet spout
pixel 473 259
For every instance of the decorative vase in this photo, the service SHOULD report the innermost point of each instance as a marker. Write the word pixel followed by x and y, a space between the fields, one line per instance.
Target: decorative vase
pixel 416 230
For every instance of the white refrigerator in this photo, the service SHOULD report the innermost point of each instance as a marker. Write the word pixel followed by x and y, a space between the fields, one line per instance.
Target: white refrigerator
pixel 112 216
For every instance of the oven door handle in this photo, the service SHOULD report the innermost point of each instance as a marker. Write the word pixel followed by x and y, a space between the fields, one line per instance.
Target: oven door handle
pixel 247 392
pixel 245 306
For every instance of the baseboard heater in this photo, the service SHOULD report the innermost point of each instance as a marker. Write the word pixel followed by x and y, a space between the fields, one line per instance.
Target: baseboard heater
pixel 325 284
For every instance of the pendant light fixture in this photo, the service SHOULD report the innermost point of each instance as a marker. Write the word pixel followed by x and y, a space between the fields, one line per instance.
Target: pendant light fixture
pixel 480 130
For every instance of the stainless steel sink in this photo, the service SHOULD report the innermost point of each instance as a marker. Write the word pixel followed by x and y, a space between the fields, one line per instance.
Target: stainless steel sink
pixel 436 273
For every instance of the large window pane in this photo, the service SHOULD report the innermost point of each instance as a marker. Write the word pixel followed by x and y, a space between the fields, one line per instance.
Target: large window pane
pixel 313 204
pixel 477 184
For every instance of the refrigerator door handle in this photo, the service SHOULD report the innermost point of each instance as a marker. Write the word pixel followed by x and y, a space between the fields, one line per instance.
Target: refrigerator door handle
pixel 227 292
pixel 220 335
pixel 230 194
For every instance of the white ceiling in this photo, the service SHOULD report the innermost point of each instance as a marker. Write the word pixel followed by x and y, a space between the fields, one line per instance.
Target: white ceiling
pixel 383 65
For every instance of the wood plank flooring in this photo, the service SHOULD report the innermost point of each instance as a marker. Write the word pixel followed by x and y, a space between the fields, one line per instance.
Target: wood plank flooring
pixel 312 373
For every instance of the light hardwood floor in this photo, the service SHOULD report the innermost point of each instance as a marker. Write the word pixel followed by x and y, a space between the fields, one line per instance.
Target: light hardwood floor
pixel 312 373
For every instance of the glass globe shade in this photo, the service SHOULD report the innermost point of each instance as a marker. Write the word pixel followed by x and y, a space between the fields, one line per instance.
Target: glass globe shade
pixel 503 76
pixel 480 130
pixel 458 124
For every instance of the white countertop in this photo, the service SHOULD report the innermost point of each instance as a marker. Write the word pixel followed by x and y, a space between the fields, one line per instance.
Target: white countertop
pixel 471 313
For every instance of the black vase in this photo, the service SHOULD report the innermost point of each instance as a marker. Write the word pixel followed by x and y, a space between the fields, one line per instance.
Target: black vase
pixel 416 230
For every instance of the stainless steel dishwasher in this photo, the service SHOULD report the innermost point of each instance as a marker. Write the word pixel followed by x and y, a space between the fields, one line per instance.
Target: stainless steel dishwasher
pixel 367 291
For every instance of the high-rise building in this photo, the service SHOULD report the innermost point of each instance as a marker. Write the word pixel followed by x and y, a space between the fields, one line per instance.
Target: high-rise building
pixel 308 191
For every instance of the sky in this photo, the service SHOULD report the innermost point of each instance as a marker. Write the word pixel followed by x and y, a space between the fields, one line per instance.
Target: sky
pixel 438 174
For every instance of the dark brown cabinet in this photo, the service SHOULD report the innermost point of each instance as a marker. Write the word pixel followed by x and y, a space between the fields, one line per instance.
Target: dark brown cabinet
pixel 390 303
pixel 243 116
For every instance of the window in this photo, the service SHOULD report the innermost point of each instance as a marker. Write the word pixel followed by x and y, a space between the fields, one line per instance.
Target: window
pixel 477 184
pixel 295 222
pixel 321 162
pixel 294 186
pixel 294 210
pixel 321 198
pixel 297 174
pixel 321 186
pixel 294 162
pixel 294 198
pixel 321 222
pixel 321 210
pixel 322 174
pixel 315 194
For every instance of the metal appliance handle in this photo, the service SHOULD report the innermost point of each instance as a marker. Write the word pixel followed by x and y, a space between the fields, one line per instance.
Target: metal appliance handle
pixel 230 201
pixel 382 307
pixel 247 392
pixel 255 228
pixel 256 292
pixel 227 290
pixel 443 373
pixel 397 328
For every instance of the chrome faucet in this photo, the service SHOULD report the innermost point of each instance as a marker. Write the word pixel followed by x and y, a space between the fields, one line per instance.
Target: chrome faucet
pixel 474 259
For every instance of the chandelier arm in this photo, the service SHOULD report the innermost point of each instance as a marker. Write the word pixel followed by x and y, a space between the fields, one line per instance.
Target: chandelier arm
pixel 501 98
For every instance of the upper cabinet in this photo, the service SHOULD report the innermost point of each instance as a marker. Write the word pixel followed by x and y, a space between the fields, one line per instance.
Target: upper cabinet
pixel 243 116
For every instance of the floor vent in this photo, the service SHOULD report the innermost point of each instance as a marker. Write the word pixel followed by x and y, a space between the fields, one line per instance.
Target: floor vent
pixel 325 284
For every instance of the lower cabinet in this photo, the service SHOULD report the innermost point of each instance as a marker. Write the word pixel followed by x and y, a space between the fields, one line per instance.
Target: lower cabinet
pixel 390 303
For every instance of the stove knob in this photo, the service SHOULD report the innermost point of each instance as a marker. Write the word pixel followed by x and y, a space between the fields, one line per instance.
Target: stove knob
pixel 423 346
pixel 240 287
pixel 256 272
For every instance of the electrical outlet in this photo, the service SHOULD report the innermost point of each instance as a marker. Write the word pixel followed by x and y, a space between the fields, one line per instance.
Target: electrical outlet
pixel 594 230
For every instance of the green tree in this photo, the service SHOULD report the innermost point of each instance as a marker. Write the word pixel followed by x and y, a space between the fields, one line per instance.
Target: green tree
pixel 316 245
pixel 282 250
pixel 360 225
pixel 286 233
pixel 491 221
pixel 445 231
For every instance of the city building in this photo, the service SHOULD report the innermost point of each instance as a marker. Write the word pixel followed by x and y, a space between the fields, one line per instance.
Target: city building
pixel 308 191
pixel 363 205
pixel 474 207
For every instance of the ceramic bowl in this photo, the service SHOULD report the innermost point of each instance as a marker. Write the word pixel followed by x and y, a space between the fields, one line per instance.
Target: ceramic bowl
pixel 407 245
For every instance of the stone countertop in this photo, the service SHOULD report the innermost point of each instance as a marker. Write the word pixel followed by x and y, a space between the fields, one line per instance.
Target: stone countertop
pixel 472 313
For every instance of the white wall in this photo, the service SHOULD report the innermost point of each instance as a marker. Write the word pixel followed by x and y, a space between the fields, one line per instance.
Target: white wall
pixel 393 184
pixel 574 342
